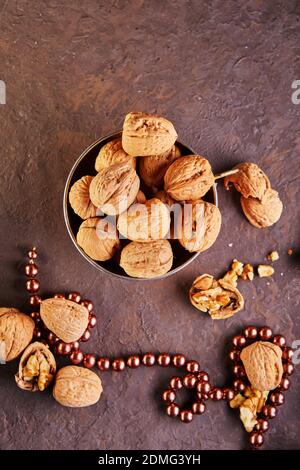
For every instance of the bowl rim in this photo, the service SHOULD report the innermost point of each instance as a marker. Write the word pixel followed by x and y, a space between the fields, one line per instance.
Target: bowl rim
pixel 111 136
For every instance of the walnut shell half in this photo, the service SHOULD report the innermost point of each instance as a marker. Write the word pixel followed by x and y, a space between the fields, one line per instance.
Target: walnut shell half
pixel 153 168
pixel 265 212
pixel 188 178
pixel 147 134
pixel 112 153
pixel 147 259
pixel 115 188
pixel 37 368
pixel 16 331
pixel 98 238
pixel 250 180
pixel 79 198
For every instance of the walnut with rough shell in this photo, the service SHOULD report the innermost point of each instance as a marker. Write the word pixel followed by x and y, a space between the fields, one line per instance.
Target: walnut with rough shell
pixel 145 222
pixel 98 238
pixel 147 134
pixel 250 181
pixel 77 387
pixel 112 153
pixel 37 368
pixel 188 178
pixel 65 318
pixel 265 212
pixel 153 168
pixel 262 361
pixel 250 403
pixel 147 260
pixel 115 188
pixel 79 198
pixel 16 331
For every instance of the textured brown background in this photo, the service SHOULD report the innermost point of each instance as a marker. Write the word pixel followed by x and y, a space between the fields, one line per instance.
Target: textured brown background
pixel 222 72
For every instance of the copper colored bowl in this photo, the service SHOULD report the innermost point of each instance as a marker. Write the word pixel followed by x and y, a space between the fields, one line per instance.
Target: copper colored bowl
pixel 84 165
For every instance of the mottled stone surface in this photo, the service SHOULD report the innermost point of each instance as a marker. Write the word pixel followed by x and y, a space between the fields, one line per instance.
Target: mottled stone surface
pixel 222 72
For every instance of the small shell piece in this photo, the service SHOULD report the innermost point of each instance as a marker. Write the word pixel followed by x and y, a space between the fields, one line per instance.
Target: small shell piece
pixel 147 260
pixel 265 212
pixel 112 153
pixel 98 238
pixel 250 181
pixel 153 168
pixel 16 331
pixel 79 198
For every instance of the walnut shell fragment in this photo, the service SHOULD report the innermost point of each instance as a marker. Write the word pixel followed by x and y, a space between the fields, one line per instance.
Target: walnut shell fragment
pixel 263 365
pixel 65 318
pixel 153 168
pixel 250 181
pixel 98 238
pixel 147 134
pixel 79 198
pixel 112 153
pixel 16 331
pixel 265 212
pixel 37 368
pixel 115 188
pixel 188 178
pixel 250 403
pixel 218 298
pixel 147 260
pixel 77 387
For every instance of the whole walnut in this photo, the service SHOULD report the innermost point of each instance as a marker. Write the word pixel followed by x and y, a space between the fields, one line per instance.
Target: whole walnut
pixel 153 168
pixel 79 198
pixel 16 331
pixel 265 212
pixel 112 153
pixel 147 260
pixel 145 222
pixel 199 226
pixel 250 180
pixel 188 178
pixel 147 134
pixel 77 387
pixel 98 239
pixel 115 188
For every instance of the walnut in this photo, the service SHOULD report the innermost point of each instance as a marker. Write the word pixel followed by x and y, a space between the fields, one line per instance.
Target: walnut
pixel 153 168
pixel 265 270
pixel 165 198
pixel 79 198
pixel 263 365
pixel 199 226
pixel 77 387
pixel 250 403
pixel 273 256
pixel 264 212
pixel 188 178
pixel 66 319
pixel 147 260
pixel 145 222
pixel 219 298
pixel 37 368
pixel 250 181
pixel 146 134
pixel 112 153
pixel 140 198
pixel 98 238
pixel 16 331
pixel 115 188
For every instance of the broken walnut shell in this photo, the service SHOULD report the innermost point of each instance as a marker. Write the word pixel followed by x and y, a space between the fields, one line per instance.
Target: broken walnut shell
pixel 147 134
pixel 250 180
pixel 112 153
pixel 98 238
pixel 153 168
pixel 250 403
pixel 147 260
pixel 65 318
pixel 265 212
pixel 16 331
pixel 79 198
pixel 37 368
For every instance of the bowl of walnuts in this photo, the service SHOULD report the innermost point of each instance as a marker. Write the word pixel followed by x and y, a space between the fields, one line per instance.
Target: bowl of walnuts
pixel 140 204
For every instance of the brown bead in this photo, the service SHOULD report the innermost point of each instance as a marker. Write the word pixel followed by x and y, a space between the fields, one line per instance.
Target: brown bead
pixel 277 398
pixel 169 396
pixel 76 357
pixel 63 348
pixel 198 408
pixel 35 300
pixel 88 304
pixel 186 416
pixel 32 254
pixel 75 345
pixel 74 296
pixel 52 338
pixel 31 270
pixel 239 371
pixel 203 388
pixel 118 365
pixel 103 363
pixel 250 332
pixel 59 296
pixel 176 383
pixel 202 376
pixel 239 341
pixel 179 360
pixel 35 315
pixel 234 355
pixel 92 321
pixel 284 384
pixel 239 385
pixel 189 381
pixel 193 366
pixel 256 439
pixel 164 359
pixel 228 394
pixel 37 333
pixel 269 411
pixel 89 360
pixel 288 368
pixel 148 360
pixel 287 354
pixel 262 425
pixel 133 362
pixel 86 335
pixel 265 333
pixel 202 396
pixel 173 410
pixel 279 340
pixel 32 285
pixel 216 394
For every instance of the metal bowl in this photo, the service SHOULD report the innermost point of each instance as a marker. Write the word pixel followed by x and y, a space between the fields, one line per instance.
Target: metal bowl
pixel 84 165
